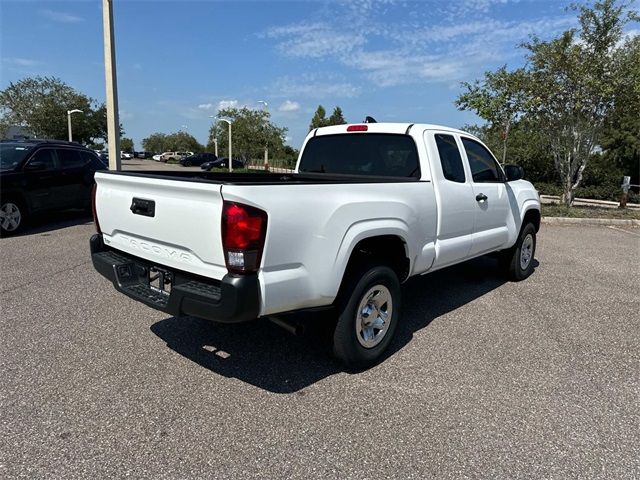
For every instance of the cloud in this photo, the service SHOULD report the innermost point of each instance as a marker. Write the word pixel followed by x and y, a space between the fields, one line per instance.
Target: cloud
pixel 61 17
pixel 205 106
pixel 21 62
pixel 390 68
pixel 289 106
pixel 314 40
pixel 314 86
pixel 391 53
pixel 224 104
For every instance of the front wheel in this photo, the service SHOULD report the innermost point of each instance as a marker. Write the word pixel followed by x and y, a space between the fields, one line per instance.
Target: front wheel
pixel 368 316
pixel 12 217
pixel 519 259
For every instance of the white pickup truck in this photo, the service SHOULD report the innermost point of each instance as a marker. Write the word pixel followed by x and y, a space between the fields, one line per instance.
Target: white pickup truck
pixel 367 207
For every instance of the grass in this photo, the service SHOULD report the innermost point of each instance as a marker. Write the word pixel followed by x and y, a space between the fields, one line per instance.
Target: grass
pixel 556 210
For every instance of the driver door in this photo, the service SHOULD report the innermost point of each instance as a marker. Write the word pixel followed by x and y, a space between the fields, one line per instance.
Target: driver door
pixel 490 230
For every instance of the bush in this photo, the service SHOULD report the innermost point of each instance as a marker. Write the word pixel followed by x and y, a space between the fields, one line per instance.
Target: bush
pixel 609 191
pixel 548 188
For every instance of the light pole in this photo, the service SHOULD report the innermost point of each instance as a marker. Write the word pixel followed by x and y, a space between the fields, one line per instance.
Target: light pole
pixel 215 136
pixel 266 146
pixel 69 113
pixel 113 123
pixel 230 156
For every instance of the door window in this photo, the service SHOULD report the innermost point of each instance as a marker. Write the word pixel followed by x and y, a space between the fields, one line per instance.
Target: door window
pixel 484 168
pixel 450 158
pixel 46 157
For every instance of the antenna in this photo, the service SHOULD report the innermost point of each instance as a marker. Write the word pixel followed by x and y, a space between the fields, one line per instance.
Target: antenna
pixel 368 119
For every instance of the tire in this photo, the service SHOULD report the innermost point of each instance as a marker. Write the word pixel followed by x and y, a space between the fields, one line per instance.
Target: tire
pixel 187 163
pixel 13 217
pixel 357 343
pixel 518 260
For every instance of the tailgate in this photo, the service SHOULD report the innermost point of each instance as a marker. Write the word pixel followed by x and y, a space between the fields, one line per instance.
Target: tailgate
pixel 176 222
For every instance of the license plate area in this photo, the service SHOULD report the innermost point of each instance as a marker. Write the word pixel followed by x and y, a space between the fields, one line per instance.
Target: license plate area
pixel 160 280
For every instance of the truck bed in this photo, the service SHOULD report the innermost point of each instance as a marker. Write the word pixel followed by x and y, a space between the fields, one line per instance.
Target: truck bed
pixel 261 178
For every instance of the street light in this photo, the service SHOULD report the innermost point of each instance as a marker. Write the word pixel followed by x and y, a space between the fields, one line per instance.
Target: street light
pixel 69 112
pixel 215 136
pixel 266 146
pixel 111 81
pixel 230 156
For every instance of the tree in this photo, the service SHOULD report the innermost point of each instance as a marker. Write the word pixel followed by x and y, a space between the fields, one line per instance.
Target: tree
pixel 251 130
pixel 41 103
pixel 567 91
pixel 173 142
pixel 155 143
pixel 183 141
pixel 336 117
pixel 572 89
pixel 126 144
pixel 621 134
pixel 319 118
pixel 500 99
pixel 527 147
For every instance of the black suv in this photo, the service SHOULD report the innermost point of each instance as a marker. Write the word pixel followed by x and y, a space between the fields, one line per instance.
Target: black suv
pixel 38 176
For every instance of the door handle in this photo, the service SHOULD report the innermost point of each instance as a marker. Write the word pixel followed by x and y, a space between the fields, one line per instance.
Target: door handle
pixel 481 197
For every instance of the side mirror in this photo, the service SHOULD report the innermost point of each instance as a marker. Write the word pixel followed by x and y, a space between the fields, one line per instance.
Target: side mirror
pixel 513 172
pixel 35 166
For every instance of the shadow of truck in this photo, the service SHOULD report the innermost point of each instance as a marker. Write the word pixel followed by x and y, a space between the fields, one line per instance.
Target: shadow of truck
pixel 262 354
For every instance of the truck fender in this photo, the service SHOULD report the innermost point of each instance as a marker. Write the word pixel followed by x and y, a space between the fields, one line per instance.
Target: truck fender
pixel 360 231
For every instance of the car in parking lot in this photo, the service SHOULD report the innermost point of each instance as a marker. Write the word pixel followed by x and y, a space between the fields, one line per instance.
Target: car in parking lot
pixel 221 163
pixel 198 159
pixel 38 176
pixel 166 156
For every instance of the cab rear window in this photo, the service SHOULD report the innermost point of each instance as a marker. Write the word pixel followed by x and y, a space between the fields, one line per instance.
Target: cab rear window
pixel 376 154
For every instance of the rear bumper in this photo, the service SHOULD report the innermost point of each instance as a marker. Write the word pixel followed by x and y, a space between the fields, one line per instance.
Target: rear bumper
pixel 235 298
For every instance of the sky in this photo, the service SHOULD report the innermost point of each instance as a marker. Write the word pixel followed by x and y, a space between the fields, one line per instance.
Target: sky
pixel 179 62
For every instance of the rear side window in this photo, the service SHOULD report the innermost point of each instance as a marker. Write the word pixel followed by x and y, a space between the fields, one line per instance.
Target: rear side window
pixel 70 158
pixel 450 158
pixel 379 154
pixel 483 166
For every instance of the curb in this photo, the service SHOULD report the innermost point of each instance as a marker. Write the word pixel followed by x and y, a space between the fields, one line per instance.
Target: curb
pixel 592 221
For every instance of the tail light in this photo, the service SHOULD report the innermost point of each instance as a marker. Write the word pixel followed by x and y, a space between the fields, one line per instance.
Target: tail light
pixel 244 230
pixel 93 207
pixel 357 128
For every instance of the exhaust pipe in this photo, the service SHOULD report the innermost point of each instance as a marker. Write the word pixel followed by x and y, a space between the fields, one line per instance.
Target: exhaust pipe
pixel 293 328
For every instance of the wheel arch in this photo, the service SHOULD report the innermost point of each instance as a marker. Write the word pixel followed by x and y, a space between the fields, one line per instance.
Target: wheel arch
pixel 532 215
pixel 17 195
pixel 388 248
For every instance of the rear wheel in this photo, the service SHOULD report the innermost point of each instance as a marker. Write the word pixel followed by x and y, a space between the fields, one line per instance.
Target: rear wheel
pixel 187 163
pixel 369 311
pixel 12 217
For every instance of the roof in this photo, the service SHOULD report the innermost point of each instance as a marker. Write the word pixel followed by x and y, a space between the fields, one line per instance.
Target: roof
pixel 387 128
pixel 34 141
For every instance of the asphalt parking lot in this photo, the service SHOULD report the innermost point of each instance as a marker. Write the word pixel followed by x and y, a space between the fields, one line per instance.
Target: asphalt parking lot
pixel 485 379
